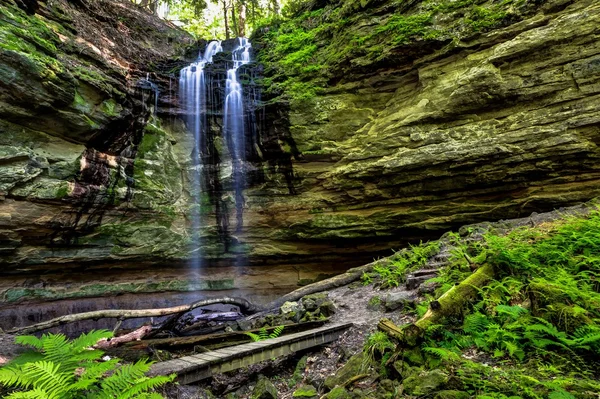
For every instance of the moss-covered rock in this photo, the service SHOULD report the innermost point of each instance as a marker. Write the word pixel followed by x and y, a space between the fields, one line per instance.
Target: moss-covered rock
pixel 306 391
pixel 425 383
pixel 264 389
pixel 338 393
pixel 352 368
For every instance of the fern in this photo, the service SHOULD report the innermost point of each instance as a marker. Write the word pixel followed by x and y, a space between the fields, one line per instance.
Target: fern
pixel 263 334
pixel 442 353
pixel 50 371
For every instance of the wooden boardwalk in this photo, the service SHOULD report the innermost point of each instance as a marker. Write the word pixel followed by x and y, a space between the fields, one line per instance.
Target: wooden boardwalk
pixel 190 369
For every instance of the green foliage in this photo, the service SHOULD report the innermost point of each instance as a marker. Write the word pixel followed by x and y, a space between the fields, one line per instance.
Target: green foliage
pixel 394 273
pixel 263 334
pixel 378 349
pixel 315 44
pixel 540 319
pixel 58 368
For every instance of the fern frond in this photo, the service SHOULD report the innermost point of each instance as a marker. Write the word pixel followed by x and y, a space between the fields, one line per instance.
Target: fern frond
pixel 276 332
pixel 56 348
pixel 14 377
pixel 475 323
pixel 87 340
pixel 144 385
pixel 512 311
pixel 263 334
pixel 93 373
pixel 560 395
pixel 48 377
pixel 33 394
pixel 29 340
pixel 441 353
pixel 253 337
pixel 123 376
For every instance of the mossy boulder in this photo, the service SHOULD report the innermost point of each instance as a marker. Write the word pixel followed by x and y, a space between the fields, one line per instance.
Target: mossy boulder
pixel 425 383
pixel 354 367
pixel 306 391
pixel 338 393
pixel 316 307
pixel 264 389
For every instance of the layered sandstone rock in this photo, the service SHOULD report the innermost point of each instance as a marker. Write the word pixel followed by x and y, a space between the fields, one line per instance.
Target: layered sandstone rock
pixel 442 132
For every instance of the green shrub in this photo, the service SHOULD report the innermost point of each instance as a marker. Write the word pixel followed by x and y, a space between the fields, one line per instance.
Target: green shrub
pixel 59 368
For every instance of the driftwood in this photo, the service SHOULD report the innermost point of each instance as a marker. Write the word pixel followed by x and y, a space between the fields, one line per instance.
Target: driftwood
pixel 136 335
pixel 246 306
pixel 448 304
pixel 216 341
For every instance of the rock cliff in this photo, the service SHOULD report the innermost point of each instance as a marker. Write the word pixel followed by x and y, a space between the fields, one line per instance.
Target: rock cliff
pixel 383 124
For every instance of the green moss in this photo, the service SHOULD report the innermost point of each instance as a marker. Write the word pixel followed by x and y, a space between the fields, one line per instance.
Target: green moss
pixel 63 191
pixel 306 392
pixel 338 393
pixel 110 107
pixel 308 49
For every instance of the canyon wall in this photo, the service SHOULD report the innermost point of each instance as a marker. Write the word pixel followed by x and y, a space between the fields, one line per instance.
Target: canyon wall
pixel 381 124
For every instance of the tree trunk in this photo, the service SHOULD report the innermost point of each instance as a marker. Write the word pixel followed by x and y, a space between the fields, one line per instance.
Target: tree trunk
pixel 451 303
pixel 234 23
pixel 242 20
pixel 246 306
pixel 226 21
pixel 275 4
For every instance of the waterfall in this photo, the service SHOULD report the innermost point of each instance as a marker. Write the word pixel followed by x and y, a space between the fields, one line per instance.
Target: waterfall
pixel 233 123
pixel 201 95
pixel 192 96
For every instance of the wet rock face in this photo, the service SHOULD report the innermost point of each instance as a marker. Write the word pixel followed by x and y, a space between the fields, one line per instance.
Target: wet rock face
pixel 72 119
pixel 497 125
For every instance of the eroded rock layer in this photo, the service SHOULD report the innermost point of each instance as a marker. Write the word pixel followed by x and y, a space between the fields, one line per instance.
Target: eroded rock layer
pixel 398 144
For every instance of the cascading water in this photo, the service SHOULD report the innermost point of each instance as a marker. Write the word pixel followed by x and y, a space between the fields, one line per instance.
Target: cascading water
pixel 193 95
pixel 207 94
pixel 233 123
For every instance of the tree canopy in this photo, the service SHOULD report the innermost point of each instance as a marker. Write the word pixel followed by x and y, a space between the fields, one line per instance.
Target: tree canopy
pixel 215 19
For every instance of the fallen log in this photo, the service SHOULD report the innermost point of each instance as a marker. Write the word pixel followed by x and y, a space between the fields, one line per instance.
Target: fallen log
pixel 245 306
pixel 450 303
pixel 346 278
pixel 136 335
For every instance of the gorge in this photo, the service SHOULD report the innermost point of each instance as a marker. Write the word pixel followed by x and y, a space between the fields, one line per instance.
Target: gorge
pixel 423 174
pixel 395 146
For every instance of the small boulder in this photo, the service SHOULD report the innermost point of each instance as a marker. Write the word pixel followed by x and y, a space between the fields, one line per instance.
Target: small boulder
pixel 264 389
pixel 327 308
pixel 425 383
pixel 352 368
pixel 306 391
pixel 338 393
pixel 398 300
